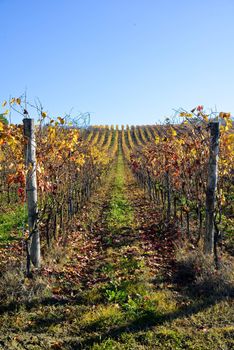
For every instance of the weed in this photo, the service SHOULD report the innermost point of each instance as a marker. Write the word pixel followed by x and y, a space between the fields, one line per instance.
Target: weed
pixel 15 288
pixel 199 273
pixel 101 316
pixel 12 222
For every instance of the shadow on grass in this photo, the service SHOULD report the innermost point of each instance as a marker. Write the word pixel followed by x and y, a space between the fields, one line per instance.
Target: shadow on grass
pixel 147 320
pixel 119 238
pixel 50 301
pixel 144 322
pixel 41 325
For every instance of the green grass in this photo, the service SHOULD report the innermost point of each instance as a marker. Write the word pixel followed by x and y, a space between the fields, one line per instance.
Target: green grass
pixel 120 212
pixel 12 222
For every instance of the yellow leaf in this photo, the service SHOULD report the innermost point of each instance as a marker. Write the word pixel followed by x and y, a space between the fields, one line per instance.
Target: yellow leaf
pixel 43 114
pixel 230 139
pixel 4 103
pixel 61 120
pixel 186 114
pixel 223 128
pixel 229 123
pixel 12 141
pixel 173 132
pixel 52 132
pixel 225 115
pixel 6 112
pixel 18 101
pixel 12 100
pixel 181 141
pixel 193 152
pixel 157 139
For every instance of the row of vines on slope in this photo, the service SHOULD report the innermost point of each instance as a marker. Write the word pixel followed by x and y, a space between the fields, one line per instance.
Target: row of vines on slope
pixel 173 169
pixel 68 170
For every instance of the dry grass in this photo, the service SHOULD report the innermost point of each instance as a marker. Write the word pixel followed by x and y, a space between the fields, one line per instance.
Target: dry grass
pixel 199 274
pixel 16 288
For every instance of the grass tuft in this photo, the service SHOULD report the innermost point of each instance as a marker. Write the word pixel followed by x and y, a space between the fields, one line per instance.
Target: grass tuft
pixel 198 273
pixel 12 221
pixel 16 288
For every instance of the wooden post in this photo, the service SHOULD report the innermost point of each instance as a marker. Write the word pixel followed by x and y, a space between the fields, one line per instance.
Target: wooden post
pixel 33 250
pixel 211 187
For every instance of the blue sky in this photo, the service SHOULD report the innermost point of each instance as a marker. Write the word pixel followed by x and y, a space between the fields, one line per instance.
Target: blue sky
pixel 124 61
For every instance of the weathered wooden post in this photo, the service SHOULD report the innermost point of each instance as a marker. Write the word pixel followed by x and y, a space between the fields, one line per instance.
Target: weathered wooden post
pixel 33 244
pixel 211 187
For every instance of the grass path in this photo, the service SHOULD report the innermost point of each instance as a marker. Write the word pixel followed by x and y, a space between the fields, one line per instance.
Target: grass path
pixel 111 288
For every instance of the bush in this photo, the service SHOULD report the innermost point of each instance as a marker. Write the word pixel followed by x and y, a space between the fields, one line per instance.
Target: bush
pixel 199 274
pixel 16 288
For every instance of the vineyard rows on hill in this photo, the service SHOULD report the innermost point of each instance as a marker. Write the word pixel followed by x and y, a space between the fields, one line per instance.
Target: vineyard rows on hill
pixel 169 161
pixel 116 237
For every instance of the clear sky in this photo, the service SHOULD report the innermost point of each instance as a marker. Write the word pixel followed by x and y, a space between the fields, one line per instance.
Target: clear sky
pixel 124 61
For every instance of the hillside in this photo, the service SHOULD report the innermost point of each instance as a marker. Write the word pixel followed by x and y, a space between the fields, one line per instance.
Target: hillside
pixel 122 244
